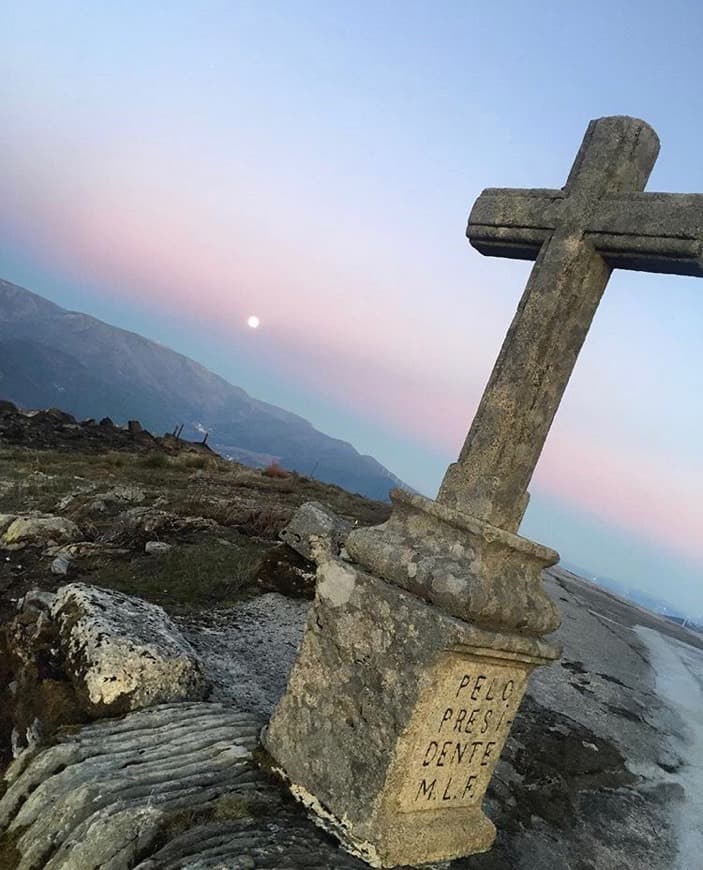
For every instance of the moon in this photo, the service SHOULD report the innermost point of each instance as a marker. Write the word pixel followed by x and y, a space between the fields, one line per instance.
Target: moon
pixel 253 322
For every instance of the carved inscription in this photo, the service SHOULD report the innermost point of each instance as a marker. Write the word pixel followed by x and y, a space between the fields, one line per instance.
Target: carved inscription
pixel 458 731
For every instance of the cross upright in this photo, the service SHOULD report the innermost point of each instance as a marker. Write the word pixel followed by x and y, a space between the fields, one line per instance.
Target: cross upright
pixel 600 220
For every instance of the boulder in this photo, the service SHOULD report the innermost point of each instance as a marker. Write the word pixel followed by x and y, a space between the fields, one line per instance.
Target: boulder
pixel 96 506
pixel 83 549
pixel 125 492
pixel 157 548
pixel 142 524
pixel 122 653
pixel 38 531
pixel 315 520
pixel 86 653
pixel 141 521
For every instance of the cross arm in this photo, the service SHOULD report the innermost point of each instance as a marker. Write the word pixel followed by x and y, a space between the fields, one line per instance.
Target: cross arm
pixel 651 232
pixel 513 222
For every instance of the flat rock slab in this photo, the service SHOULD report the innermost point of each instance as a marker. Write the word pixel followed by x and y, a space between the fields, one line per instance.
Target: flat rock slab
pixel 246 844
pixel 247 651
pixel 172 786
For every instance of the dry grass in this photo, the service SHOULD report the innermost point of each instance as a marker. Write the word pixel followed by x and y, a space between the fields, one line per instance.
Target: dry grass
pixel 205 574
pixel 249 508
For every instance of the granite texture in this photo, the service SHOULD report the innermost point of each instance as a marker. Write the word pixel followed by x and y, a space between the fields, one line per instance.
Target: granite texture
pixel 349 729
pixel 462 565
pixel 314 520
pixel 121 652
pixel 601 219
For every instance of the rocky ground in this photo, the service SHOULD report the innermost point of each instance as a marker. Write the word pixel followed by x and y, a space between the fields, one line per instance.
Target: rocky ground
pixel 112 493
pixel 600 770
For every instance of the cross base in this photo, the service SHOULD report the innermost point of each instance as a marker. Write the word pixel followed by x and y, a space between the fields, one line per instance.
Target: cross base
pixel 462 564
pixel 395 716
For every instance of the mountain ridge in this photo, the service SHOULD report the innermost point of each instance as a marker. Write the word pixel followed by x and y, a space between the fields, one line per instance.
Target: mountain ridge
pixel 50 356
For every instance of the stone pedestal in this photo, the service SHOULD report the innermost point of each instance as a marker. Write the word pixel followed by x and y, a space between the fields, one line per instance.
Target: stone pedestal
pixel 398 707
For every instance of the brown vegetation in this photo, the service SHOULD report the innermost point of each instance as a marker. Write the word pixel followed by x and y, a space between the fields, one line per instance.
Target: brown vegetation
pixel 275 470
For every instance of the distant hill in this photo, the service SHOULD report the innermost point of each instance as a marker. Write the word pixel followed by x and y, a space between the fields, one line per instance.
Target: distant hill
pixel 51 357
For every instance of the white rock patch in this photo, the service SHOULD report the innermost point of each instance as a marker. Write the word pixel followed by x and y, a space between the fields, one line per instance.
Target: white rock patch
pixel 122 649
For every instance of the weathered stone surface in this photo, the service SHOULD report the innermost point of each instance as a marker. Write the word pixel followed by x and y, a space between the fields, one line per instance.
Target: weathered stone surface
pixel 465 566
pixel 127 493
pixel 247 844
pixel 374 734
pixel 121 652
pixel 104 796
pixel 576 785
pixel 172 786
pixel 37 531
pixel 141 524
pixel 600 220
pixel 39 697
pixel 356 747
pixel 314 520
pixel 145 520
pixel 247 651
pixel 60 566
pixel 81 549
pixel 86 652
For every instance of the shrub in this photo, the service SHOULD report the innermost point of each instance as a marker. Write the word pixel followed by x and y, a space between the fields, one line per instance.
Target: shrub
pixel 265 523
pixel 275 470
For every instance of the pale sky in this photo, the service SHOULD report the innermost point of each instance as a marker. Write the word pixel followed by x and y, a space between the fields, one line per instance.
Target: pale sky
pixel 173 168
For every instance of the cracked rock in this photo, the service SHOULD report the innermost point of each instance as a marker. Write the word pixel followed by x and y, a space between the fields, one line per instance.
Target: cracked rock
pixel 86 653
pixel 314 520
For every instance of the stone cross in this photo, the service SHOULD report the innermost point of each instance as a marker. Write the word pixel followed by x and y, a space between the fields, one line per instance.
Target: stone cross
pixel 423 634
pixel 599 221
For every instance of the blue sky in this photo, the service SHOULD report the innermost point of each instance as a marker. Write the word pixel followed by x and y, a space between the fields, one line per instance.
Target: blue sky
pixel 174 167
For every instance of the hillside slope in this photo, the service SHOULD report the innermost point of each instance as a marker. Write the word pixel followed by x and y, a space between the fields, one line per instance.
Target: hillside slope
pixel 53 357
